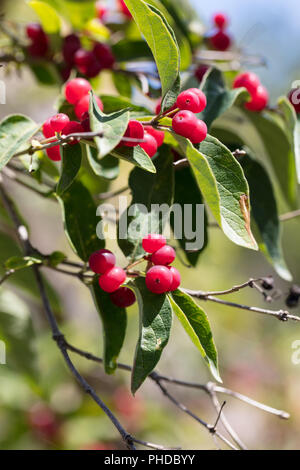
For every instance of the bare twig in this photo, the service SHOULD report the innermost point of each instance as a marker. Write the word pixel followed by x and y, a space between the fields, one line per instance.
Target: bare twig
pixel 289 215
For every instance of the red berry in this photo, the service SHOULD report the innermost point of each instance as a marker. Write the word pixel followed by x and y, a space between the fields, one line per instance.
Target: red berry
pixel 191 100
pixel 38 49
pixel 59 121
pixel 112 279
pixel 199 133
pixel 158 107
pixel 35 32
pixel 150 145
pixel 294 97
pixel 47 129
pixel 104 55
pixel 184 123
pixel 201 71
pixel 153 242
pixel 259 99
pixel 72 127
pixel 164 255
pixel 54 153
pixel 85 122
pixel 101 10
pixel 87 63
pixel 248 80
pixel 102 261
pixel 123 297
pixel 83 105
pixel 158 135
pixel 220 20
pixel 134 130
pixel 71 45
pixel 76 89
pixel 124 9
pixel 176 278
pixel 159 279
pixel 43 422
pixel 220 41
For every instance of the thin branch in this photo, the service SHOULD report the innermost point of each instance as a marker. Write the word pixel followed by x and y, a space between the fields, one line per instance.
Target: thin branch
pixel 6 276
pixel 289 215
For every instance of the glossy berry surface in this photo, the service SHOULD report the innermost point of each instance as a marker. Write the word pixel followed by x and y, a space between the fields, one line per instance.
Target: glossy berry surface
pixel 220 41
pixel 158 135
pixel 259 99
pixel 191 101
pixel 150 145
pixel 71 44
pixel 47 129
pixel 153 242
pixel 220 20
pixel 54 153
pixel 35 32
pixel 83 105
pixel 104 55
pixel 294 97
pixel 123 297
pixel 201 71
pixel 248 80
pixel 59 121
pixel 112 279
pixel 134 130
pixel 101 261
pixel 176 278
pixel 201 96
pixel 159 279
pixel 199 132
pixel 164 255
pixel 72 127
pixel 76 88
pixel 184 122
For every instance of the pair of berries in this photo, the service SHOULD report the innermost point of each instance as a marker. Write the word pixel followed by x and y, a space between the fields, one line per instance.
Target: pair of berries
pixel 39 40
pixel 77 93
pixel 91 62
pixel 60 124
pixel 152 138
pixel 185 122
pixel 220 40
pixel 161 277
pixel 259 94
pixel 103 262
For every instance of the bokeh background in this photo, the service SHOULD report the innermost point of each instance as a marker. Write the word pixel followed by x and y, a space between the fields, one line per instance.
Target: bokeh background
pixel 254 351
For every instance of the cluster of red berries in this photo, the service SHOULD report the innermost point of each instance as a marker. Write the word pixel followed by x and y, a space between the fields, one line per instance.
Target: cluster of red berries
pixel 76 93
pixel 259 94
pixel 294 97
pixel 220 40
pixel 185 123
pixel 152 138
pixel 103 262
pixel 161 277
pixel 39 46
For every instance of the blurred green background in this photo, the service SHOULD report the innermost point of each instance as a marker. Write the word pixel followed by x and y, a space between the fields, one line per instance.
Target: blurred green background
pixel 41 407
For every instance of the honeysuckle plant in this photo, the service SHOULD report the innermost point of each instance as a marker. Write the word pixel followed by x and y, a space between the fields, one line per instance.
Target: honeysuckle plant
pixel 184 118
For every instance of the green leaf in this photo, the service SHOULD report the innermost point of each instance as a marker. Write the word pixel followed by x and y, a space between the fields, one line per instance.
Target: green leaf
pixel 48 16
pixel 122 83
pixel 264 212
pixel 155 326
pixel 162 42
pixel 293 128
pixel 127 50
pixel 114 321
pixel 219 98
pixel 187 192
pixel 17 332
pixel 147 189
pixel 136 156
pixel 80 220
pixel 56 258
pixel 276 141
pixel 19 262
pixel 195 322
pixel 223 185
pixel 108 167
pixel 46 74
pixel 113 127
pixel 15 131
pixel 115 103
pixel 71 162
